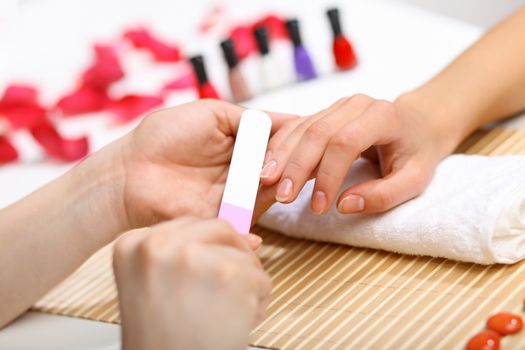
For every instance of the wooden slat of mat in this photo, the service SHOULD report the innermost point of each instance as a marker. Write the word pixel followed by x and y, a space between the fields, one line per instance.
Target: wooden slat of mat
pixel 328 296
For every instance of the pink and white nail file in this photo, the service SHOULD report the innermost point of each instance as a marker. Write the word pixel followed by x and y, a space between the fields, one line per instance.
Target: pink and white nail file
pixel 242 183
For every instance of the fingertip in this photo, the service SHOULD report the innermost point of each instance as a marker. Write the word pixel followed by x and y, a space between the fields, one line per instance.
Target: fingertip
pixel 254 241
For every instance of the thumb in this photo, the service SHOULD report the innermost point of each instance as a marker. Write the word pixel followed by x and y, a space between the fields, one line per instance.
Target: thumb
pixel 379 195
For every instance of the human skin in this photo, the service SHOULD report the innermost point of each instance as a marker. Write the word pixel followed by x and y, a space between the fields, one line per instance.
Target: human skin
pixel 188 284
pixel 174 164
pixel 407 137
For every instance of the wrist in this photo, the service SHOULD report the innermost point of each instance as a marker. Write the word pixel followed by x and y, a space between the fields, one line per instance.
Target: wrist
pixel 447 123
pixel 97 184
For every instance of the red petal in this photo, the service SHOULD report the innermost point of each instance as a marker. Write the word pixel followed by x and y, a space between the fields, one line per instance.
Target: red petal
pixel 8 152
pixel 131 106
pixel 105 70
pixel 185 82
pixel 24 117
pixel 56 146
pixel 83 100
pixel 141 38
pixel 19 95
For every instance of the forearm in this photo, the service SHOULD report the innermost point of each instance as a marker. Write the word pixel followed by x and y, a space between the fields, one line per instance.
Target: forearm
pixel 47 235
pixel 484 84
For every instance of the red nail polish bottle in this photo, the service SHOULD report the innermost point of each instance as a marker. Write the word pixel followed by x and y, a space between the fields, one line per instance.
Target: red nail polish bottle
pixel 205 88
pixel 344 54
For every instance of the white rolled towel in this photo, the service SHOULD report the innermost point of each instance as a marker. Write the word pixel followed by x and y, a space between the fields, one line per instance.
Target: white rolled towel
pixel 473 210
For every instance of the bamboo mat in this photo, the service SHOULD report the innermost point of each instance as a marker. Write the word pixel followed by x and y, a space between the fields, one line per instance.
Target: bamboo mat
pixel 328 296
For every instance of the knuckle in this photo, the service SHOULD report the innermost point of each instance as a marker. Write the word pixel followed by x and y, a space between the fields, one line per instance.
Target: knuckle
pixel 317 131
pixel 150 251
pixel 387 108
pixel 294 166
pixel 346 141
pixel 226 273
pixel 384 201
pixel 359 100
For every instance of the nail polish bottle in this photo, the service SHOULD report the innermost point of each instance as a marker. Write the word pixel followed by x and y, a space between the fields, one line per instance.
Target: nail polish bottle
pixel 238 86
pixel 304 69
pixel 205 88
pixel 344 55
pixel 270 70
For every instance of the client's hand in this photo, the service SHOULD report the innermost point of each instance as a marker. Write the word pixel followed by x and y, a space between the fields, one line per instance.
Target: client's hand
pixel 407 143
pixel 188 284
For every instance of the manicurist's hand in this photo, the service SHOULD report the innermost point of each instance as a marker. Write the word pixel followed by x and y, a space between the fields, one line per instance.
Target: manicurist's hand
pixel 173 164
pixel 188 284
pixel 407 143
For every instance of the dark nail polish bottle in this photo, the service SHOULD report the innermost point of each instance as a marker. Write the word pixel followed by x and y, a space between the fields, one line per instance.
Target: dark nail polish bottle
pixel 304 69
pixel 271 74
pixel 205 88
pixel 344 54
pixel 238 86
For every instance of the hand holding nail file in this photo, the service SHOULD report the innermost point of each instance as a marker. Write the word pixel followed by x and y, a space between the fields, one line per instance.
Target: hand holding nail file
pixel 242 183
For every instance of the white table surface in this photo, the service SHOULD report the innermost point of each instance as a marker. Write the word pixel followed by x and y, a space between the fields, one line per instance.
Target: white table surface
pixel 399 47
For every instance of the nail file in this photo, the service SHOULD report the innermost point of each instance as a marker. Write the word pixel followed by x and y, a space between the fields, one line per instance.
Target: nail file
pixel 242 184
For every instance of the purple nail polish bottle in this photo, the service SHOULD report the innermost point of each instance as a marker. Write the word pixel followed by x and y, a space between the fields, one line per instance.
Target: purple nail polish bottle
pixel 304 69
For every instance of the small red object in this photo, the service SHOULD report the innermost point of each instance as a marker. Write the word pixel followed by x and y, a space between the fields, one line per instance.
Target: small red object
pixel 343 51
pixel 20 106
pixel 184 82
pixel 485 340
pixel 83 100
pixel 204 87
pixel 58 147
pixel 344 54
pixel 505 323
pixel 105 70
pixel 207 90
pixel 8 152
pixel 130 107
pixel 141 38
pixel 275 25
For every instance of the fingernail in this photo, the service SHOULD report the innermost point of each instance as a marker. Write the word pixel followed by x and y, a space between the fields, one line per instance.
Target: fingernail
pixel 267 156
pixel 319 202
pixel 255 241
pixel 268 169
pixel 351 204
pixel 284 191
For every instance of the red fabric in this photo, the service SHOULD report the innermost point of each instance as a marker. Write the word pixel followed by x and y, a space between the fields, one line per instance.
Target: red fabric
pixel 141 38
pixel 83 100
pixel 130 107
pixel 105 70
pixel 184 82
pixel 91 95
pixel 8 153
pixel 20 106
pixel 58 147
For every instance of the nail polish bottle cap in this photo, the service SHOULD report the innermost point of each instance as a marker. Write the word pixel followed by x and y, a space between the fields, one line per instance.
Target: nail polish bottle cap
pixel 229 53
pixel 293 30
pixel 333 16
pixel 198 67
pixel 261 36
